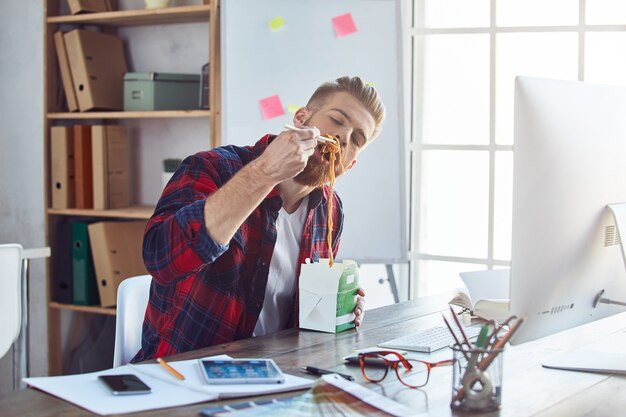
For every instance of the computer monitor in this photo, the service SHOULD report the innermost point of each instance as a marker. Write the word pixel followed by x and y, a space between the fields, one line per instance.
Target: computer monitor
pixel 569 164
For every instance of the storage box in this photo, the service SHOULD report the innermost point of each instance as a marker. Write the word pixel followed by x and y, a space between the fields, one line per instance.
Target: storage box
pixel 328 295
pixel 160 91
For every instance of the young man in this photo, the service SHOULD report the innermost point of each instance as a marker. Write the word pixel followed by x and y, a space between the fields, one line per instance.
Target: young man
pixel 233 226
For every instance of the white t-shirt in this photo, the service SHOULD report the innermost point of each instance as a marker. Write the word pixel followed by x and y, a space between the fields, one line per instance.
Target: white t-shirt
pixel 281 282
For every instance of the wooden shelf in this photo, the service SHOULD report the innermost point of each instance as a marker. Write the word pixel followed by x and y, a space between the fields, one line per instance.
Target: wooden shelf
pixel 166 15
pixel 160 114
pixel 132 212
pixel 85 309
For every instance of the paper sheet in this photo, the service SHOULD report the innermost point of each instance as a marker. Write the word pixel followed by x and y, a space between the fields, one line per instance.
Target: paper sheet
pixel 488 284
pixel 87 392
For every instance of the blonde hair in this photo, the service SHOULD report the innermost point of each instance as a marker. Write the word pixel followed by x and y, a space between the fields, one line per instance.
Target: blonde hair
pixel 354 86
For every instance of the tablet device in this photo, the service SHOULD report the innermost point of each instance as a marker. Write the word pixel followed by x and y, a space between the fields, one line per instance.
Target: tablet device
pixel 241 371
pixel 125 384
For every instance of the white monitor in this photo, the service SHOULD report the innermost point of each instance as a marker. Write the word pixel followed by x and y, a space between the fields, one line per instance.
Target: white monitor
pixel 569 164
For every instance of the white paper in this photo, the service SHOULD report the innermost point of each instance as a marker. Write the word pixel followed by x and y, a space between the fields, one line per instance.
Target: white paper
pixel 487 285
pixel 86 391
pixel 371 397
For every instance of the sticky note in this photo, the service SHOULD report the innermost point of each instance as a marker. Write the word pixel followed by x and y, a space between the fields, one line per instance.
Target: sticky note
pixel 276 23
pixel 371 84
pixel 292 108
pixel 271 107
pixel 344 25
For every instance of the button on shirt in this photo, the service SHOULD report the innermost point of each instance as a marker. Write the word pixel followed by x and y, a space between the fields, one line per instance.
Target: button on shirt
pixel 204 293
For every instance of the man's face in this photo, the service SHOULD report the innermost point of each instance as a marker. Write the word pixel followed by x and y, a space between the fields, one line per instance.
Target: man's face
pixel 344 117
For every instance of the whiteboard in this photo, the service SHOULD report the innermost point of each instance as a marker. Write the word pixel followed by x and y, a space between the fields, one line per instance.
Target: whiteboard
pixel 291 62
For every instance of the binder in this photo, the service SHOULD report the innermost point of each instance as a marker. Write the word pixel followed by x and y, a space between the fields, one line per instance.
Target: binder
pixel 83 171
pixel 66 74
pixel 117 255
pixel 62 279
pixel 85 288
pixel 98 65
pixel 111 166
pixel 62 167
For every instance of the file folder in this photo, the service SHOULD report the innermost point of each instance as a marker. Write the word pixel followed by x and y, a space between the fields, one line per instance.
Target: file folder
pixel 85 289
pixel 111 167
pixel 62 167
pixel 117 255
pixel 83 171
pixel 66 73
pixel 62 279
pixel 98 66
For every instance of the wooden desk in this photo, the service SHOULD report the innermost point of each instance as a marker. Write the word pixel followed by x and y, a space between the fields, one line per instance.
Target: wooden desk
pixel 528 389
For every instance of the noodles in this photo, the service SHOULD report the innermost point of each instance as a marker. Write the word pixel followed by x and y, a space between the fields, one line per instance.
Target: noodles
pixel 334 150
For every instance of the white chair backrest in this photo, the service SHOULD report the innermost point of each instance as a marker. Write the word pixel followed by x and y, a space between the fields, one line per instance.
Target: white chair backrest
pixel 10 295
pixel 132 300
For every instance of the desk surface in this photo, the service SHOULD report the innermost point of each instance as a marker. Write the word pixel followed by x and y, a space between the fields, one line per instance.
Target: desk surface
pixel 528 389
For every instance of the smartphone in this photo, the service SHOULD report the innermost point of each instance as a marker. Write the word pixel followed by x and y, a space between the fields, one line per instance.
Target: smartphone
pixel 125 384
pixel 241 371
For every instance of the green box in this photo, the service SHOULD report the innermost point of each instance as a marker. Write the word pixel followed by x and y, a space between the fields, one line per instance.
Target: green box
pixel 161 91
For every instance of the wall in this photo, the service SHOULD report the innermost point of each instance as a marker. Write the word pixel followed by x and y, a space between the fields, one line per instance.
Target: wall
pixel 21 159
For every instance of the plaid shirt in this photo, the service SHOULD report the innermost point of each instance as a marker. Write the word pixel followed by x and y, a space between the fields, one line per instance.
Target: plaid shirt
pixel 204 293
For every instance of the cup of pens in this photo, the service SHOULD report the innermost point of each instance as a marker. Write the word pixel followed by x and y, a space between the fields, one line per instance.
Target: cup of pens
pixel 476 387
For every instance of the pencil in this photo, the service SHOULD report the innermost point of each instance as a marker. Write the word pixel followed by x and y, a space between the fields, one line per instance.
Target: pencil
pixel 171 370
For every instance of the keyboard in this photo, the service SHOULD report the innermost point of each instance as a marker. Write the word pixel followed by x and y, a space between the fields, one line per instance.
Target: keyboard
pixel 428 340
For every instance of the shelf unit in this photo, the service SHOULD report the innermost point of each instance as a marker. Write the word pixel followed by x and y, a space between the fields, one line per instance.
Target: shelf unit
pixel 55 113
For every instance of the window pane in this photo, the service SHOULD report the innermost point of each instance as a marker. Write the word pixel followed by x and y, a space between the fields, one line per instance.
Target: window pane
pixel 503 205
pixel 551 55
pixel 605 60
pixel 438 276
pixel 602 12
pixel 536 12
pixel 455 13
pixel 456 103
pixel 454 203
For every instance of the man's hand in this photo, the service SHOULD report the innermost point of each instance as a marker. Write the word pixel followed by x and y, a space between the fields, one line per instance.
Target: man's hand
pixel 359 310
pixel 288 153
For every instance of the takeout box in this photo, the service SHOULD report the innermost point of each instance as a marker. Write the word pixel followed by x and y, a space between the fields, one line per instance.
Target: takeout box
pixel 328 296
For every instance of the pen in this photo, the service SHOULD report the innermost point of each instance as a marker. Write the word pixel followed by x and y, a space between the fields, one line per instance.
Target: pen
pixel 318 371
pixel 171 370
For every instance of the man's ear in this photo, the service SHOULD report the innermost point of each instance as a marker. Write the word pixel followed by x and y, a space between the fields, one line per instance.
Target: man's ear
pixel 301 117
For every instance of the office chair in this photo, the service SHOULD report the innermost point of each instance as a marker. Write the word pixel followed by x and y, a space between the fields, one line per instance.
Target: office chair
pixel 132 300
pixel 10 295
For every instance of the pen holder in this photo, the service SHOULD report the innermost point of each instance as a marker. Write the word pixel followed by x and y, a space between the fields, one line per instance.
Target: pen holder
pixel 476 379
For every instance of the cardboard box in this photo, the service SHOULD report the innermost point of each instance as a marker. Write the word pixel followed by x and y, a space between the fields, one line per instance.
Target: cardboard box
pixel 328 295
pixel 116 250
pixel 160 91
pixel 111 166
pixel 88 6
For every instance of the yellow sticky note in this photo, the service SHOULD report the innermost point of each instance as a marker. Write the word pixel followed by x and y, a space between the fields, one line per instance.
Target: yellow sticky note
pixel 276 23
pixel 292 108
pixel 371 84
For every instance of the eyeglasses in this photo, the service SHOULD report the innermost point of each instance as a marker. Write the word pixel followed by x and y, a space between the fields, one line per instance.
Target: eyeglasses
pixel 412 373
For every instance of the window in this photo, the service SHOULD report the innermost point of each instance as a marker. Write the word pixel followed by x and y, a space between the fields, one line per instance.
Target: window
pixel 466 54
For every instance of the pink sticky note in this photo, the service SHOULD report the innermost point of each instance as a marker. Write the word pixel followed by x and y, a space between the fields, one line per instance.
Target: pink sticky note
pixel 344 25
pixel 271 107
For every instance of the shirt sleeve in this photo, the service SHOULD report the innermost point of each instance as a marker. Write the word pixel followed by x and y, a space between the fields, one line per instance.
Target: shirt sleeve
pixel 176 242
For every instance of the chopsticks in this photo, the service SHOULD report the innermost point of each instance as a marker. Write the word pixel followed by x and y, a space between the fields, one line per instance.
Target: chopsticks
pixel 321 139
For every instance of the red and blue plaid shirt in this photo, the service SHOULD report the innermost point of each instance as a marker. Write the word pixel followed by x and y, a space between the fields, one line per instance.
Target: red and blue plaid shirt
pixel 204 293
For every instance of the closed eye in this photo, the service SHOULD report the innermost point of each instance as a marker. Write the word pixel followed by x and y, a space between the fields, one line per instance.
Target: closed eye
pixel 335 121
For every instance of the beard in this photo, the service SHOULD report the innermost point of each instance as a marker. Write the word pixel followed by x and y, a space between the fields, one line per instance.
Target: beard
pixel 316 173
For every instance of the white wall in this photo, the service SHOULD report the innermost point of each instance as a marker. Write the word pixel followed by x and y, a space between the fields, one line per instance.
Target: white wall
pixel 21 159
